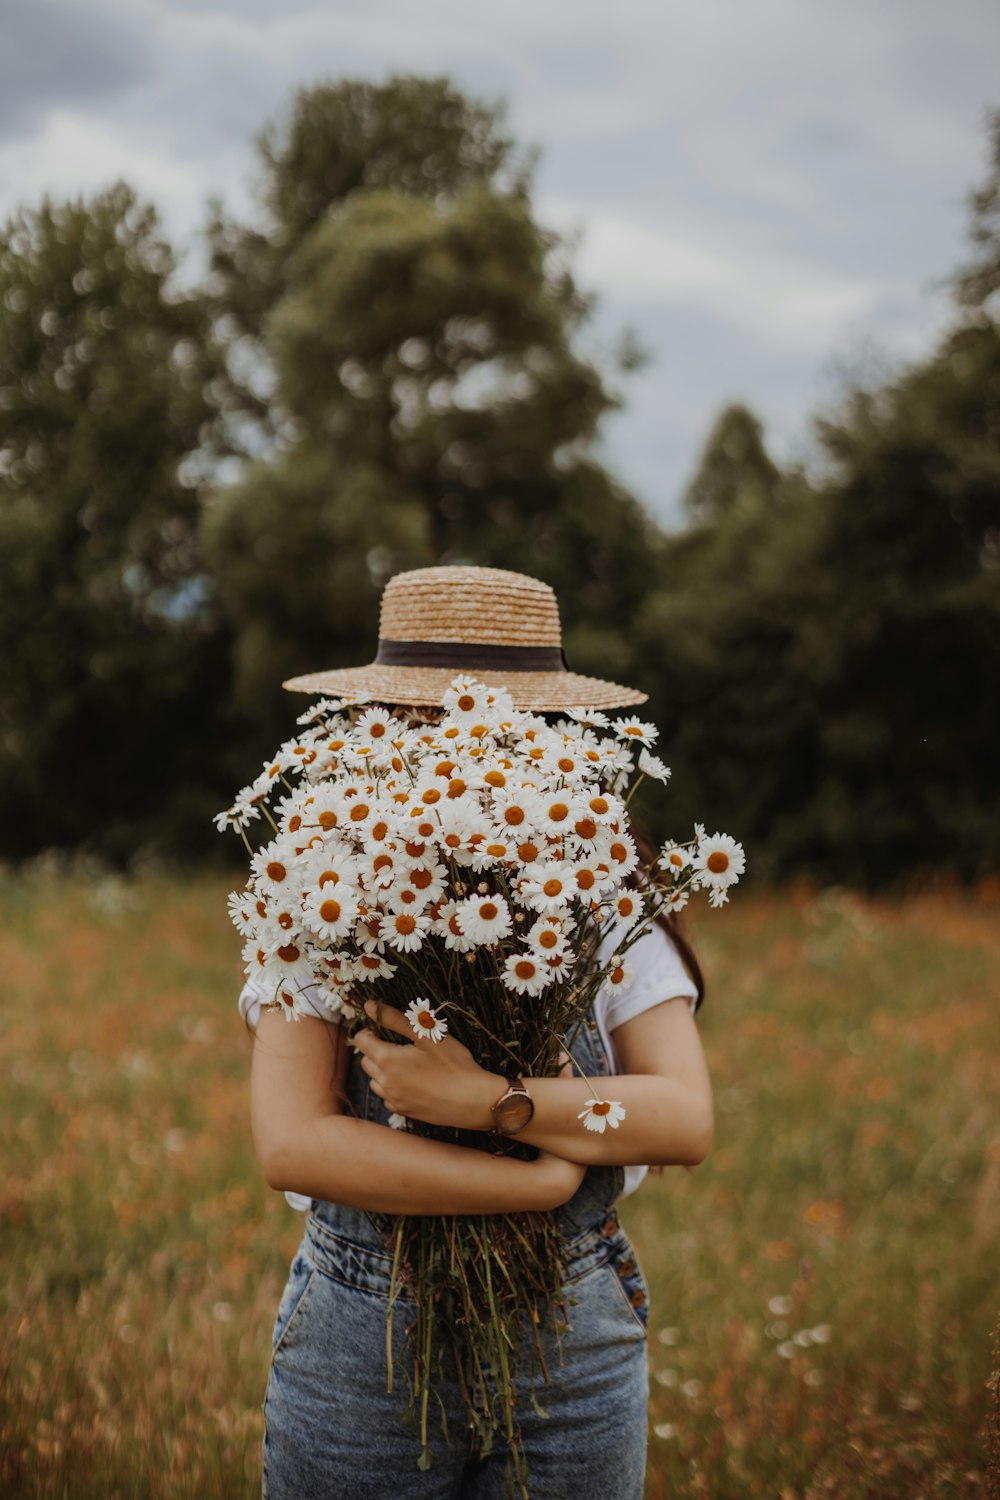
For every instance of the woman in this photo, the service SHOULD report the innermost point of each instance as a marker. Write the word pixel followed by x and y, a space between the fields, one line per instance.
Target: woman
pixel 320 1109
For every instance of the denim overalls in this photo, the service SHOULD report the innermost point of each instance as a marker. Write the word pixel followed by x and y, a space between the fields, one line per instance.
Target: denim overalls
pixel 331 1429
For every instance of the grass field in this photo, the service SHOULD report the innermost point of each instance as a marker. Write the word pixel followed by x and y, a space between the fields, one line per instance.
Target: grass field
pixel 824 1287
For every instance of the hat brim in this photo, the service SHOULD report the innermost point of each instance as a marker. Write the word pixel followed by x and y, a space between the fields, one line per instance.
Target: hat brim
pixel 426 687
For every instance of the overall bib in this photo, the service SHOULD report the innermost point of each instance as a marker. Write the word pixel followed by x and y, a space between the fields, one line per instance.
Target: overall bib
pixel 331 1429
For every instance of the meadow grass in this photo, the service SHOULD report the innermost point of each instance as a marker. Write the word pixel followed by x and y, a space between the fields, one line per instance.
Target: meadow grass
pixel 824 1289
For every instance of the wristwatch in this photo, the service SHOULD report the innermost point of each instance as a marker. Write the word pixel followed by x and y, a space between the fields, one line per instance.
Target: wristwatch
pixel 514 1109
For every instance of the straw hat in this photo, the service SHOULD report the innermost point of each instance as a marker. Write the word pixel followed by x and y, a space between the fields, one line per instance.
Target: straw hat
pixel 500 627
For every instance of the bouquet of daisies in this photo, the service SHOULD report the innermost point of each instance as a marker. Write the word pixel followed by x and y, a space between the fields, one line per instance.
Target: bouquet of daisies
pixel 464 867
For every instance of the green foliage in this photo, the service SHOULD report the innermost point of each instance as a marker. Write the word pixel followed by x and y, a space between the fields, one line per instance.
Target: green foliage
pixel 428 399
pixel 832 688
pixel 735 469
pixel 110 664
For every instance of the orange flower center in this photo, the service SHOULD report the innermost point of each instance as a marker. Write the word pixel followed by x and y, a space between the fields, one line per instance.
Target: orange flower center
pixel 330 911
pixel 602 1107
pixel 405 924
pixel 276 870
pixel 488 911
pixel 552 887
pixel 524 969
pixel 717 862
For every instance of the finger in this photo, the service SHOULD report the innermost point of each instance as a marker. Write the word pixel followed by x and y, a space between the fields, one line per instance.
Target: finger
pixel 389 1017
pixel 369 1045
pixel 394 1020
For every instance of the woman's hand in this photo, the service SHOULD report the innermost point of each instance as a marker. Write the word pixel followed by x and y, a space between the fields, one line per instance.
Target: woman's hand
pixel 561 1178
pixel 439 1083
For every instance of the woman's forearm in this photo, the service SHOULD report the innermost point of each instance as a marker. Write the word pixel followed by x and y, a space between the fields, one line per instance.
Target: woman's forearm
pixel 664 1125
pixel 364 1164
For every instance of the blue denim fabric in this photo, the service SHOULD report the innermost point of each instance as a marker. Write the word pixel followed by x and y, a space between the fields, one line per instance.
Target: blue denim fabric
pixel 331 1428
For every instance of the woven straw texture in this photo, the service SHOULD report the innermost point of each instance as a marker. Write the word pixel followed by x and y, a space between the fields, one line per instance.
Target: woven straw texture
pixel 486 606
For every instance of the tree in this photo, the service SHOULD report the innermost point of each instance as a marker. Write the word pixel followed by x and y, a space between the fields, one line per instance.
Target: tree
pixel 430 403
pixel 111 658
pixel 734 470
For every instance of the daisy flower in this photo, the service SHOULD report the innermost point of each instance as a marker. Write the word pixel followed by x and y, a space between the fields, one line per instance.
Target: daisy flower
pixel 524 973
pixel 485 919
pixel 651 765
pixel 318 709
pixel 238 816
pixel 375 724
pixel 548 887
pixel 555 812
pixel 515 810
pixel 719 861
pixel 675 858
pixel 591 716
pixel 603 807
pixel 618 971
pixel 449 927
pixel 635 729
pixel 467 701
pixel 548 935
pixel 373 966
pixel 405 931
pixel 273 868
pixel 242 910
pixel 598 1113
pixel 622 853
pixel 425 1021
pixel 628 908
pixel 677 899
pixel 331 912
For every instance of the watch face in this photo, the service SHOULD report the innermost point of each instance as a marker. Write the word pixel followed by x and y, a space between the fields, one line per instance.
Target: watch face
pixel 514 1113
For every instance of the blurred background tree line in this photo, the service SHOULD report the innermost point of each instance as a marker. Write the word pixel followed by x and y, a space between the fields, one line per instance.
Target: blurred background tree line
pixel 203 491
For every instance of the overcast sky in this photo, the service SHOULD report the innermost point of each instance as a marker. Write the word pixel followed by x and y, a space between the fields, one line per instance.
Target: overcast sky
pixel 766 193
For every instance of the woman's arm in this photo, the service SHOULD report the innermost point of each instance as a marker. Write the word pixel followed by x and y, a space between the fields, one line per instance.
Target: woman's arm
pixel 305 1144
pixel 664 1087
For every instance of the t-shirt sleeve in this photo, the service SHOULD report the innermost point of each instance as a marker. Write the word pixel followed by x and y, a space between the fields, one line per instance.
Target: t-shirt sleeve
pixel 251 1001
pixel 654 971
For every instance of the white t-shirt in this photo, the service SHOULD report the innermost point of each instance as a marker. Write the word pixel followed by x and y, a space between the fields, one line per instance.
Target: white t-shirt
pixel 654 972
